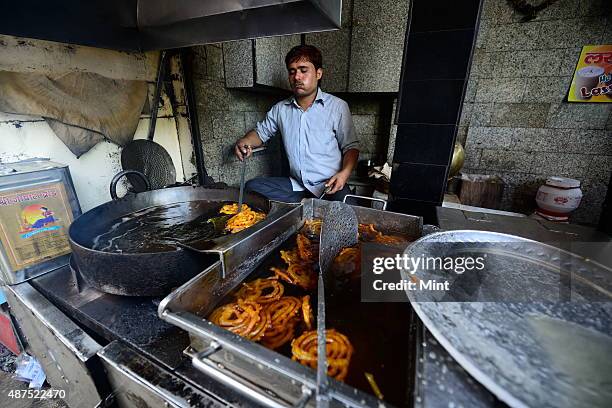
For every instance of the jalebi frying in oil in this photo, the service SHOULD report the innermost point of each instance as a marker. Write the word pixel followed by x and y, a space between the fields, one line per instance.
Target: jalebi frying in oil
pixel 244 219
pixel 284 317
pixel 245 318
pixel 312 227
pixel 368 233
pixel 347 264
pixel 232 208
pixel 307 316
pixel 307 250
pixel 301 275
pixel 338 349
pixel 262 291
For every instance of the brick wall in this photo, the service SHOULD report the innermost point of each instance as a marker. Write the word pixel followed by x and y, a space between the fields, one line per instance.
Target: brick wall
pixel 227 114
pixel 516 122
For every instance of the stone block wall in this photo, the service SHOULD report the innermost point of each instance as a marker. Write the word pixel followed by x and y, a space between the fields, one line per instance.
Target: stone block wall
pixel 516 122
pixel 372 115
pixel 227 114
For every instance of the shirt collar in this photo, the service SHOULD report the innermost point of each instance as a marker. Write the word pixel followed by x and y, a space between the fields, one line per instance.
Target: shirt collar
pixel 321 98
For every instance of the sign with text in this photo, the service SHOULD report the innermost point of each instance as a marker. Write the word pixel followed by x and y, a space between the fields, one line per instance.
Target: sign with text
pixel 592 81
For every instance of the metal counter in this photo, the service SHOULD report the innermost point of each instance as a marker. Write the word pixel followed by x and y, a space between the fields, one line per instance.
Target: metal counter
pixel 143 359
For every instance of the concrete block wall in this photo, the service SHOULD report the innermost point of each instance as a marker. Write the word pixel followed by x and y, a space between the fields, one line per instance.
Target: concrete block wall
pixel 227 114
pixel 372 115
pixel 516 122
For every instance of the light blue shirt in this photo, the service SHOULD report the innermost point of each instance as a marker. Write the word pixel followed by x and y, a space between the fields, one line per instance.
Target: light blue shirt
pixel 314 140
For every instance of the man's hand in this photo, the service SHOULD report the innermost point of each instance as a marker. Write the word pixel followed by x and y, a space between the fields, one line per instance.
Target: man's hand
pixel 242 150
pixel 338 181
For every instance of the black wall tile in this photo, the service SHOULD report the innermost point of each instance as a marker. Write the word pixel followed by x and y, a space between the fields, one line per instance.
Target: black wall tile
pixel 605 220
pixel 431 15
pixel 439 45
pixel 428 144
pixel 431 101
pixel 425 209
pixel 417 181
pixel 438 55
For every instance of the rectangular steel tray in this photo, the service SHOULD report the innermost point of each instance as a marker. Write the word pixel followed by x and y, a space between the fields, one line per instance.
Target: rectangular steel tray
pixel 266 376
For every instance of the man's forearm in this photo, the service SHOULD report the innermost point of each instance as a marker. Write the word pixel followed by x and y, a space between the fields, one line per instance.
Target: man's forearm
pixel 251 138
pixel 349 160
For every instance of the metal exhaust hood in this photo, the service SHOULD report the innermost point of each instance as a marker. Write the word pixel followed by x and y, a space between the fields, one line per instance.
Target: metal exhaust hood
pixel 143 25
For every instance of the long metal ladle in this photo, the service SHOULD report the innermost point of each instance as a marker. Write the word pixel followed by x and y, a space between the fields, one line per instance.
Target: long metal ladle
pixel 220 221
pixel 242 173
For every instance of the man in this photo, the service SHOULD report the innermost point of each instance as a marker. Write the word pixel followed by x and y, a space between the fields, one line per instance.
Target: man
pixel 317 132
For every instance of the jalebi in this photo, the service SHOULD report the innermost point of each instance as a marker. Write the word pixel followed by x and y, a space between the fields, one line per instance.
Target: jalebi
pixel 244 219
pixel 280 336
pixel 348 263
pixel 312 227
pixel 245 318
pixel 284 309
pixel 283 319
pixel 307 312
pixel 338 350
pixel 389 239
pixel 307 250
pixel 261 290
pixel 232 208
pixel 301 275
pixel 368 233
pixel 291 257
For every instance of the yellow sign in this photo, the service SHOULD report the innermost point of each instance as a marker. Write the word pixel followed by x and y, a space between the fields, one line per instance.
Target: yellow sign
pixel 592 80
pixel 34 224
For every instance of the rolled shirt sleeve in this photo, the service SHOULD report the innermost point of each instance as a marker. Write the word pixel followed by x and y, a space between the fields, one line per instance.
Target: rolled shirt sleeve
pixel 346 134
pixel 269 125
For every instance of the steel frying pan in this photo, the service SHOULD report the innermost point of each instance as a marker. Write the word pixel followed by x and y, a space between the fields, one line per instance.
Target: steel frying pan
pixel 534 325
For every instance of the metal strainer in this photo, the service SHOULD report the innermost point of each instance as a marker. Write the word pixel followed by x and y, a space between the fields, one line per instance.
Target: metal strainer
pixel 339 229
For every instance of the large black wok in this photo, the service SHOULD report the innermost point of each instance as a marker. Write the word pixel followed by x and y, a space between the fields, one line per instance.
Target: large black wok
pixel 145 274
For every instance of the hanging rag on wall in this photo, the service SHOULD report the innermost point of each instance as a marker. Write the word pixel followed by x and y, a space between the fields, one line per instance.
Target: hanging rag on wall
pixel 82 108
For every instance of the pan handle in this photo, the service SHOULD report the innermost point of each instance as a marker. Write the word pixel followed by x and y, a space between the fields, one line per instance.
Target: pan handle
pixel 202 362
pixel 115 180
pixel 367 198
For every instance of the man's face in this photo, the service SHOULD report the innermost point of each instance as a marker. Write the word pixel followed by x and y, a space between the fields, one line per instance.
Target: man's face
pixel 303 77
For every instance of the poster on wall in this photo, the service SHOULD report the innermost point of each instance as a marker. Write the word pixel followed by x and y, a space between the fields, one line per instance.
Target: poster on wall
pixel 592 81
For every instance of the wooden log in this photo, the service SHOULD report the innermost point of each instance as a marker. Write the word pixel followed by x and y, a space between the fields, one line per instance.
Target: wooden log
pixel 481 190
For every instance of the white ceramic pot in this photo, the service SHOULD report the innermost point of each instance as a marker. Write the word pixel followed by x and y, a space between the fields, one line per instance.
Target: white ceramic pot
pixel 558 198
